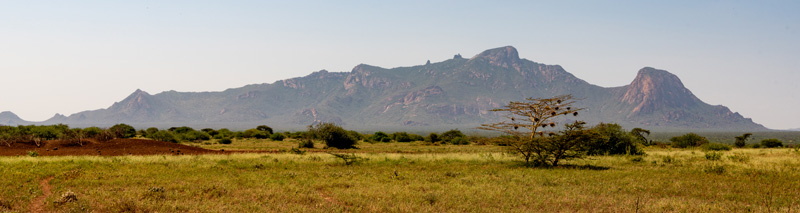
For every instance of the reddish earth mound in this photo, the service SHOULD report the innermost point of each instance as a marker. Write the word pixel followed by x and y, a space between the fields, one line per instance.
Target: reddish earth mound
pixel 109 148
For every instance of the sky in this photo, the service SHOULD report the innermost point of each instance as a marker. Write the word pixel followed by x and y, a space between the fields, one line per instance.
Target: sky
pixel 70 56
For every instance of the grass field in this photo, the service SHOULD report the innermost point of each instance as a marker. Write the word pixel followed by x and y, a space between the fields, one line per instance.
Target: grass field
pixel 407 177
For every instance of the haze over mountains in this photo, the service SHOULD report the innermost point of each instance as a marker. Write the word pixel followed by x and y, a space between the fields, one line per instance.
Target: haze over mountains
pixel 456 93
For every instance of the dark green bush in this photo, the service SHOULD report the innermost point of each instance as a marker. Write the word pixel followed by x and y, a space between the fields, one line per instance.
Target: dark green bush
pixel 401 137
pixel 123 131
pixel 713 156
pixel 771 143
pixel 459 141
pixel 380 137
pixel 433 138
pixel 164 135
pixel 448 136
pixel 305 144
pixel 688 140
pixel 265 128
pixel 225 141
pixel 333 135
pixel 277 137
pixel 611 139
pixel 715 147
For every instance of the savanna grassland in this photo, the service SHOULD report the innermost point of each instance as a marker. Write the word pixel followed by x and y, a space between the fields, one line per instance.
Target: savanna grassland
pixel 405 177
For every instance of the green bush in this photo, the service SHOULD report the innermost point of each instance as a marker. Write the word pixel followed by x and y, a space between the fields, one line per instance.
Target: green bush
pixel 164 135
pixel 713 156
pixel 277 137
pixel 433 138
pixel 380 137
pixel 611 139
pixel 771 143
pixel 688 140
pixel 265 128
pixel 333 135
pixel 305 144
pixel 459 141
pixel 123 131
pixel 715 147
pixel 225 141
pixel 33 153
pixel 401 137
pixel 448 136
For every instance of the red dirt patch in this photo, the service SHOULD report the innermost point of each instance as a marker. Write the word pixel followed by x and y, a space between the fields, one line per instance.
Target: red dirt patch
pixel 37 204
pixel 114 147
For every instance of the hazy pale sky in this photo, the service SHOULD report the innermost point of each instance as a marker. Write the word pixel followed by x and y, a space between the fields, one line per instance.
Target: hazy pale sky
pixel 70 56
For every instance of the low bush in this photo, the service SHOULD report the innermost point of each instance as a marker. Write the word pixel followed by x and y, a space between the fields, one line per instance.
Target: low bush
pixel 713 156
pixel 715 169
pixel 459 141
pixel 305 144
pixel 715 147
pixel 739 157
pixel 225 141
pixel 771 143
pixel 33 153
pixel 277 137
pixel 688 140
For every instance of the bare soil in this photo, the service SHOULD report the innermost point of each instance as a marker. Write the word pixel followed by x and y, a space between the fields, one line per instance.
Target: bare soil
pixel 114 147
pixel 37 204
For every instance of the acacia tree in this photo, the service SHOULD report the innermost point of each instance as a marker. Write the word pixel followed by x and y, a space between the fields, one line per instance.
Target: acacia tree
pixel 639 134
pixel 527 118
pixel 741 141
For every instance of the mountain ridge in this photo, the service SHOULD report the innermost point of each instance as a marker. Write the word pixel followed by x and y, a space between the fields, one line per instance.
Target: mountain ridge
pixel 455 93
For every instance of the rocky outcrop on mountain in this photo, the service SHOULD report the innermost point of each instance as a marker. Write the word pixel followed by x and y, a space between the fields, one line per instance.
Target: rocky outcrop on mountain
pixel 654 89
pixel 455 93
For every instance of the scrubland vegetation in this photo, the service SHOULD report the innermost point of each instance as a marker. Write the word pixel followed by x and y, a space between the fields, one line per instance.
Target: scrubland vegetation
pixel 534 167
pixel 480 179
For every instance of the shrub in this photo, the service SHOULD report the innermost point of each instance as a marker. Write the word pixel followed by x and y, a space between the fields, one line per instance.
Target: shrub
pixel 225 141
pixel 277 137
pixel 611 139
pixel 771 143
pixel 450 135
pixel 33 153
pixel 164 135
pixel 349 159
pixel 459 141
pixel 265 128
pixel 688 140
pixel 401 137
pixel 333 135
pixel 433 138
pixel 715 147
pixel 123 131
pixel 380 137
pixel 739 157
pixel 715 169
pixel 713 156
pixel 297 151
pixel 261 135
pixel 305 144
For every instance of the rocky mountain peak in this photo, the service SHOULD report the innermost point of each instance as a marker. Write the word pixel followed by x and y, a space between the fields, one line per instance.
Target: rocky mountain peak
pixel 138 100
pixel 654 89
pixel 506 57
pixel 9 118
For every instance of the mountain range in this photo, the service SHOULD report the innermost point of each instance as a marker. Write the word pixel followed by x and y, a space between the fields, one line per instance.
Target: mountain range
pixel 455 93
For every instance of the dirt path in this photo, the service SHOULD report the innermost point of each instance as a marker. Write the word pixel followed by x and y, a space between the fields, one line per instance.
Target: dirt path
pixel 37 204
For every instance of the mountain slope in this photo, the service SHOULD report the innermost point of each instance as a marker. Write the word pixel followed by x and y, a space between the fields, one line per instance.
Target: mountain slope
pixel 456 93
